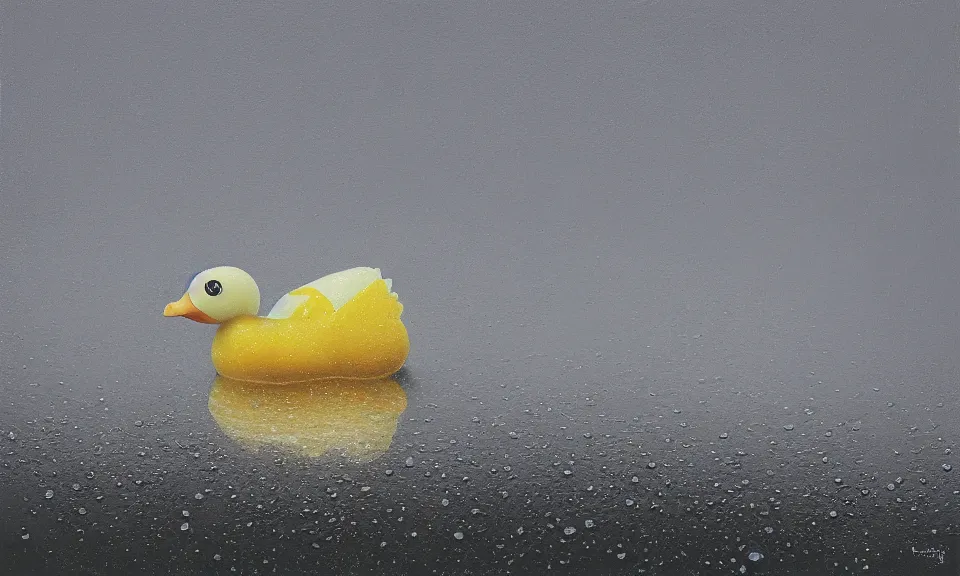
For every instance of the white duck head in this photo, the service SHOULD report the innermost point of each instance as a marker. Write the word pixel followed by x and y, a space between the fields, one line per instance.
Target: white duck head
pixel 217 295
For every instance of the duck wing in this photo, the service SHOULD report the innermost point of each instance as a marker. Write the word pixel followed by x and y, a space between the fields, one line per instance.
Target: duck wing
pixel 328 293
pixel 374 306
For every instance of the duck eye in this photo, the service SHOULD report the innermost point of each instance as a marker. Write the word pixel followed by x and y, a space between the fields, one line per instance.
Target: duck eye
pixel 213 287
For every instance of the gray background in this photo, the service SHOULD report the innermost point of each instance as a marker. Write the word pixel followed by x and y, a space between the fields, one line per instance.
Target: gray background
pixel 619 230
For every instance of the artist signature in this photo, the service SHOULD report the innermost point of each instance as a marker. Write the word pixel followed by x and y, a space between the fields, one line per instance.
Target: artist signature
pixel 930 553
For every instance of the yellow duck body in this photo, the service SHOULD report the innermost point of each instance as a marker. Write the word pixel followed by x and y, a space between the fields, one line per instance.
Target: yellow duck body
pixel 345 325
pixel 363 339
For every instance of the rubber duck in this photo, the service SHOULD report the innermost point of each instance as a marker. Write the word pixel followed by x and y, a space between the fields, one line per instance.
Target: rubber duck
pixel 343 325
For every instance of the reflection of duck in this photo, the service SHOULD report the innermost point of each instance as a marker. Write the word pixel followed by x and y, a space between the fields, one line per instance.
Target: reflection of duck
pixel 344 325
pixel 355 419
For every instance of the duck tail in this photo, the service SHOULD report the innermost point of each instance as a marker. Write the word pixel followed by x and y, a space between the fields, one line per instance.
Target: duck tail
pixel 389 283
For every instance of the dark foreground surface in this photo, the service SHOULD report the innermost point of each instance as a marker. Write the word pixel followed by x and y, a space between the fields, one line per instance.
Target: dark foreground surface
pixel 681 280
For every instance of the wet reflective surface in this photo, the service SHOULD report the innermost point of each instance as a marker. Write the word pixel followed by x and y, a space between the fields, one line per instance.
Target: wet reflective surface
pixel 353 419
pixel 680 280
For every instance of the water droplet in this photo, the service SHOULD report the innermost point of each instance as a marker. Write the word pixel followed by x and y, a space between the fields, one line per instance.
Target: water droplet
pixel 445 502
pixel 569 530
pixel 788 427
pixel 629 502
pixel 947 467
pixel 635 479
pixel 567 472
pixel 388 472
pixel 458 535
pixel 138 423
pixel 185 526
pixel 676 410
pixel 768 529
pixel 891 486
pixel 833 513
pixel 652 465
pixel 13 436
pixel 865 492
pixel 587 435
pixel 838 480
pixel 186 513
pixel 724 435
pixel 198 496
pixel 754 556
pixel 923 480
pixel 82 511
pixel 217 557
pixel 76 487
pixel 683 424
pixel 48 495
pixel 514 435
pixel 588 523
pixel 408 462
pixel 828 433
pixel 621 555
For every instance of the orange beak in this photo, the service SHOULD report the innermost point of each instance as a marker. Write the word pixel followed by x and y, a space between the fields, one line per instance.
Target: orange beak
pixel 185 307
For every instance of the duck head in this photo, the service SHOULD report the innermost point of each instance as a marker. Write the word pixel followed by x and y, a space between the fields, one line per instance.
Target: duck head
pixel 217 295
